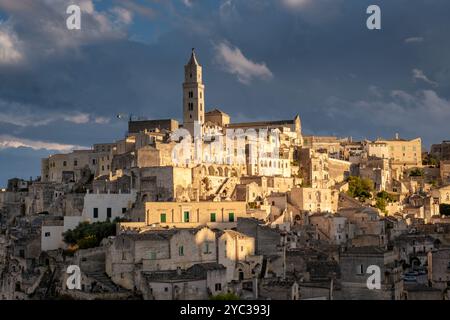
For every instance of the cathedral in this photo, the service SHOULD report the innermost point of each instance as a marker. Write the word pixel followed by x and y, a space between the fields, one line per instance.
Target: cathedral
pixel 214 121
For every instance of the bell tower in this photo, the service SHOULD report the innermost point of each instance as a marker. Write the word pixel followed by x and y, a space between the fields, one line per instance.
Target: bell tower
pixel 193 95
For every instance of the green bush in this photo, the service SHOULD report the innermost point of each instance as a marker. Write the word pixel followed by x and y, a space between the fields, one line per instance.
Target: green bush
pixel 89 235
pixel 416 172
pixel 386 196
pixel 360 188
pixel 381 204
pixel 87 242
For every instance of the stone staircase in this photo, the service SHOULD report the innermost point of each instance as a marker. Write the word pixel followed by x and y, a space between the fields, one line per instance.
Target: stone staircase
pixel 105 282
pixel 227 187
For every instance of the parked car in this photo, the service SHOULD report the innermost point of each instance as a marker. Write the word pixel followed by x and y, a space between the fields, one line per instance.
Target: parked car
pixel 409 278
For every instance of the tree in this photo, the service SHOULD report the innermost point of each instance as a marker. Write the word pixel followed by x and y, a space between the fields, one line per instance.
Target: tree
pixel 87 242
pixel 382 200
pixel 430 160
pixel 381 204
pixel 89 235
pixel 416 172
pixel 386 195
pixel 360 188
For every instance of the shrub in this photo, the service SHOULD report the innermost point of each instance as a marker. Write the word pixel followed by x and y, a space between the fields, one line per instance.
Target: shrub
pixel 360 188
pixel 89 235
pixel 387 196
pixel 416 172
pixel 87 242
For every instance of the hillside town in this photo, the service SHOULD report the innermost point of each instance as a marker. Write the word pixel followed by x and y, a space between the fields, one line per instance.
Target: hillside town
pixel 214 209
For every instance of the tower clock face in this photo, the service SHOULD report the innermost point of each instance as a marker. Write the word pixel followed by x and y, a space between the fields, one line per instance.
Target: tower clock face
pixel 252 150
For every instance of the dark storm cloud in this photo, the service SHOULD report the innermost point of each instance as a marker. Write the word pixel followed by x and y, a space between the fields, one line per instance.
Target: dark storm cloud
pixel 262 60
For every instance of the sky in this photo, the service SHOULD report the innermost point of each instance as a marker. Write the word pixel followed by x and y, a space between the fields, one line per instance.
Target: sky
pixel 61 89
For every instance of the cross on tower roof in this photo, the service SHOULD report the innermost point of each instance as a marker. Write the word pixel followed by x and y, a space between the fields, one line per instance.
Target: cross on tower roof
pixel 193 59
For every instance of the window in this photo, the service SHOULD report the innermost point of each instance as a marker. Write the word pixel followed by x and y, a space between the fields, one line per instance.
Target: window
pixel 95 212
pixel 152 255
pixel 166 289
pixel 162 218
pixel 206 248
pixel 360 269
pixel 186 216
pixel 231 217
pixel 108 212
pixel 93 161
pixel 75 163
pixel 181 251
pixel 124 256
pixel 124 210
pixel 64 163
pixel 213 217
pixel 47 234
pixel 242 248
pixel 218 286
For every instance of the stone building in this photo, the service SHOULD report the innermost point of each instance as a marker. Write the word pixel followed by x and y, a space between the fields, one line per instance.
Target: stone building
pixel 199 282
pixel 442 195
pixel 158 250
pixel 99 207
pixel 441 151
pixel 354 265
pixel 413 248
pixel 220 214
pixel 366 225
pixel 268 241
pixel 331 228
pixel 403 154
pixel 136 126
pixel 69 167
pixel 236 252
pixel 439 268
pixel 314 199
pixel 444 171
